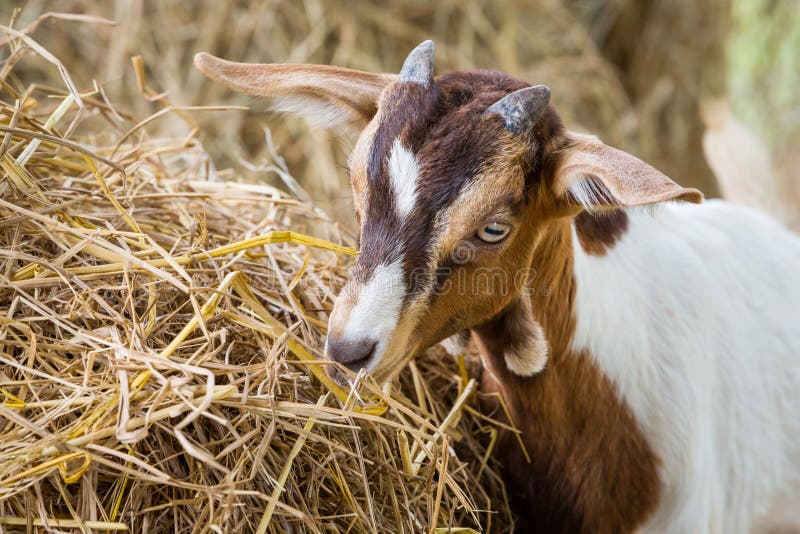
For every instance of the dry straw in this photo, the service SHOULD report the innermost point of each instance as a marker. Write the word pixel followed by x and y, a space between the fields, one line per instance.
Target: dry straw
pixel 160 335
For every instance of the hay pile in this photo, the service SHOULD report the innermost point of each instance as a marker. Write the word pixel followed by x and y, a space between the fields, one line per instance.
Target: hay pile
pixel 160 335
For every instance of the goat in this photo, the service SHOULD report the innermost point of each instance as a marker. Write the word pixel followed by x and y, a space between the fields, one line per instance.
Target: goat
pixel 649 356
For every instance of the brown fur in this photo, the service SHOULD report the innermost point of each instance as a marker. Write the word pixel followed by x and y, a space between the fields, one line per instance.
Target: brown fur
pixel 598 232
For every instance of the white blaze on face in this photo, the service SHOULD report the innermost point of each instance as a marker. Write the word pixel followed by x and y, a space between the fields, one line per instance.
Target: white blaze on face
pixel 403 171
pixel 377 307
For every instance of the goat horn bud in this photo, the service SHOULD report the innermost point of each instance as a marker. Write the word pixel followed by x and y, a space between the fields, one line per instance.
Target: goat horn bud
pixel 521 109
pixel 418 66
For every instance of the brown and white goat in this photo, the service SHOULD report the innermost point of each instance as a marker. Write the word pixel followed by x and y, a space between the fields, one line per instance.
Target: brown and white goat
pixel 651 357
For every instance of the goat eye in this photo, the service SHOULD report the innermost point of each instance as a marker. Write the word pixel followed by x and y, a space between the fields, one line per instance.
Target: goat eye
pixel 494 232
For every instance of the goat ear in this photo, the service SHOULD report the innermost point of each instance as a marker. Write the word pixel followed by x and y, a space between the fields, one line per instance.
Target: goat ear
pixel 325 95
pixel 596 177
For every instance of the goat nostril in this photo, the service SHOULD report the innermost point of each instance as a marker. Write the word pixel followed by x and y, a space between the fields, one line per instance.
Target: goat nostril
pixel 353 354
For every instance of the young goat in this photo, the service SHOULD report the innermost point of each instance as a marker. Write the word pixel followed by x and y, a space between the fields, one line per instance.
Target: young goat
pixel 651 357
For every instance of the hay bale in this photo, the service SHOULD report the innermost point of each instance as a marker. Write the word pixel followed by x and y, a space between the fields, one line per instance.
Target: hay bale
pixel 160 335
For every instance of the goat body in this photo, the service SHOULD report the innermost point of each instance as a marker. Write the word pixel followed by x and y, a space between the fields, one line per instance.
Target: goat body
pixel 648 348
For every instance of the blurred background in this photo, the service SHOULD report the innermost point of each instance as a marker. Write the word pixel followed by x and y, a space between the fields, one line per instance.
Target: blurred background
pixel 700 90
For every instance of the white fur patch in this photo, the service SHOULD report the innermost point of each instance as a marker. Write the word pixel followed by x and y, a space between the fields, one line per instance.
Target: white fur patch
pixel 377 309
pixel 694 317
pixel 531 357
pixel 403 170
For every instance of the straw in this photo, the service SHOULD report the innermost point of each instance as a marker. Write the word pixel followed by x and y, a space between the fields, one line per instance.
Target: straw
pixel 160 344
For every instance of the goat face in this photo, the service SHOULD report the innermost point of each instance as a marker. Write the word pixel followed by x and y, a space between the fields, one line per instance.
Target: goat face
pixel 439 188
pixel 454 179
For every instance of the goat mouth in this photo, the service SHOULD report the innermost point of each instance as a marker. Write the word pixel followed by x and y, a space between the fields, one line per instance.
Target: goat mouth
pixel 381 370
pixel 344 374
